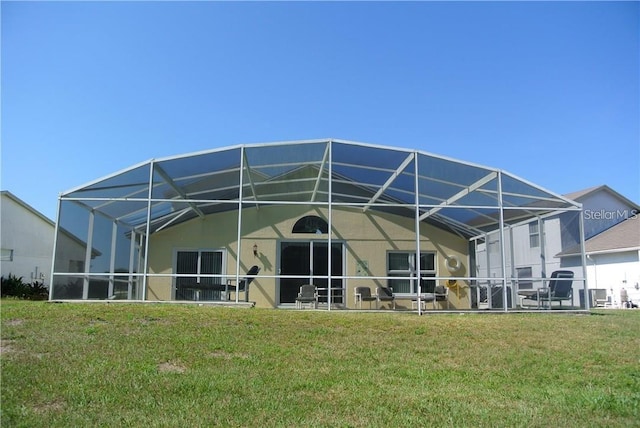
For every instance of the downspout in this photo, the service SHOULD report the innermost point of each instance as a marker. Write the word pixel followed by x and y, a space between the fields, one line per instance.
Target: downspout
pixel 595 273
pixel 543 256
pixel 585 285
pixel 543 249
pixel 595 270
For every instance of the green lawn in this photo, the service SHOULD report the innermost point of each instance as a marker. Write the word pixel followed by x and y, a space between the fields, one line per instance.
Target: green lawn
pixel 76 365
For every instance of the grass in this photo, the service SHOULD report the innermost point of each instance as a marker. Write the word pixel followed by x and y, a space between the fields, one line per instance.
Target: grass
pixel 177 365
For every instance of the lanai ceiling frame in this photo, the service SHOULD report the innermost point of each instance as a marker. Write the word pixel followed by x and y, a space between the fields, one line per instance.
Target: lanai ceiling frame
pixel 325 159
pixel 457 227
pixel 183 195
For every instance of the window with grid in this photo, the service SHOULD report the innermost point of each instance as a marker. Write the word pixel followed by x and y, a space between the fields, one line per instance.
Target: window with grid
pixel 402 264
pixel 534 235
pixel 198 263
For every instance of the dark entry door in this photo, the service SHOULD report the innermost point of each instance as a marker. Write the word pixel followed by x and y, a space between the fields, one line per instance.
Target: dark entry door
pixel 309 261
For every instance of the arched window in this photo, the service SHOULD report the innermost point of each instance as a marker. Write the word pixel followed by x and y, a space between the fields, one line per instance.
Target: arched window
pixel 311 224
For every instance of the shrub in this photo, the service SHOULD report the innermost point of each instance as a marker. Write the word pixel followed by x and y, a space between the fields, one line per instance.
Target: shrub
pixel 12 286
pixel 38 291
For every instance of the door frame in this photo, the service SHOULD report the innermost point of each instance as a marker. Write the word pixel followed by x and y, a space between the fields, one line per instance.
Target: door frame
pixel 174 264
pixel 311 243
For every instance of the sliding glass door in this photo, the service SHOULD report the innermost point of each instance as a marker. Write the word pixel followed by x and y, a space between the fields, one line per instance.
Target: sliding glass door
pixel 307 262
pixel 197 264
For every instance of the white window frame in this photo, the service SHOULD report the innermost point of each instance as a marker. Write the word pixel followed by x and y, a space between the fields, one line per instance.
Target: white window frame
pixel 525 272
pixel 534 234
pixel 7 255
pixel 409 274
pixel 198 274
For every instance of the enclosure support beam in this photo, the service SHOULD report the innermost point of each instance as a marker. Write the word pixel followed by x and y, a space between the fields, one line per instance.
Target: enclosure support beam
pixel 178 190
pixel 251 184
pixel 330 225
pixel 147 232
pixel 55 244
pixel 505 301
pixel 390 180
pixel 239 231
pixel 87 257
pixel 316 187
pixel 132 248
pixel 416 220
pixel 464 192
pixel 112 261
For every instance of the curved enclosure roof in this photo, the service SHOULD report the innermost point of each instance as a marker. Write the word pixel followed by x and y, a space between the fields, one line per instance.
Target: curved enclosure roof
pixel 455 195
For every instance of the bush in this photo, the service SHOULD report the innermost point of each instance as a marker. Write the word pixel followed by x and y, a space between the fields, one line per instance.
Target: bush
pixel 13 286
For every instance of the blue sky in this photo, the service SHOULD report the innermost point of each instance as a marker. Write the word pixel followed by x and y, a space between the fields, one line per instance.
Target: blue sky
pixel 548 91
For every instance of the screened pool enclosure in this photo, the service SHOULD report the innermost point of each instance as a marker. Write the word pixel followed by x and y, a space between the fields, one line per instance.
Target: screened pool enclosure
pixel 254 223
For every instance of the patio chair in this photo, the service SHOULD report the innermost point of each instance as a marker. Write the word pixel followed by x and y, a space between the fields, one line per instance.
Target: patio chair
pixel 385 294
pixel 424 299
pixel 439 293
pixel 243 284
pixel 308 294
pixel 363 294
pixel 560 289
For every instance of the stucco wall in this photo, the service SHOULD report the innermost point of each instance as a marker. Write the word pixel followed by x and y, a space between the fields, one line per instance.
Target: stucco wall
pixel 367 238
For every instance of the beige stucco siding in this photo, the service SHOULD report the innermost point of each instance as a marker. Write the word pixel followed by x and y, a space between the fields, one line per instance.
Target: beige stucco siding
pixel 367 238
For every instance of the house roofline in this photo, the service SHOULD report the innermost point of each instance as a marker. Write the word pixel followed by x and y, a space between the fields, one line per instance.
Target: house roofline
pixel 27 207
pixel 597 252
pixel 581 194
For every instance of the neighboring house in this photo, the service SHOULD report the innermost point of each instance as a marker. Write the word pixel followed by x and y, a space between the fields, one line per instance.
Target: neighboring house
pixel 331 213
pixel 611 244
pixel 27 240
pixel 613 260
